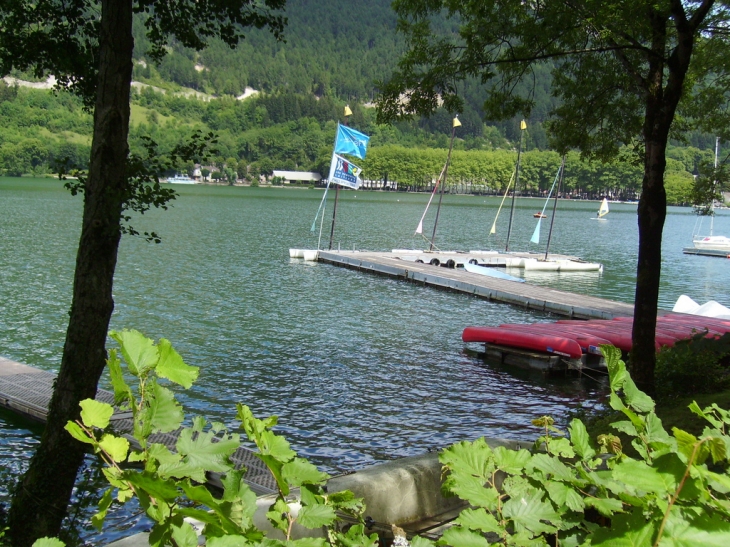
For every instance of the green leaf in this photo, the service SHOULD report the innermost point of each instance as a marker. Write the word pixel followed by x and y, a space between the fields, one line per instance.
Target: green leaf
pixel 308 542
pixel 277 515
pixel 206 450
pixel 275 466
pixel 635 398
pixel 562 447
pixel 685 442
pixel 95 414
pixel 580 439
pixel 105 502
pixel 470 458
pixel 78 433
pixel 116 447
pixel 122 392
pixel 418 541
pixel 707 532
pixel 461 537
pixel 164 413
pixel 172 367
pixel 472 489
pixel 511 462
pixel 626 530
pixel 479 520
pixel 552 467
pixel 299 471
pixel 563 495
pixel 624 426
pixel 655 432
pixel 616 367
pixel 273 445
pixel 529 512
pixel 637 475
pixel 314 516
pixel 138 351
pixel 184 535
pixel 605 506
pixel 48 542
pixel 153 485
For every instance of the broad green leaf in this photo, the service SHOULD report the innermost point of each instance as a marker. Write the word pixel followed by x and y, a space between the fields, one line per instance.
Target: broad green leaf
pixel 207 450
pixel 580 439
pixel 299 471
pixel 418 541
pixel 685 442
pixel 635 398
pixel 638 476
pixel 615 402
pixel 626 530
pixel 162 454
pixel 712 532
pixel 672 469
pixel 562 447
pixel 480 520
pixel 184 535
pixel 273 445
pixel 624 426
pixel 529 512
pixel 154 486
pixel 78 433
pixel 275 466
pixel 314 516
pixel 122 392
pixel 472 489
pixel 95 414
pixel 511 462
pixel 605 506
pixel 457 536
pixel 474 458
pixel 105 502
pixel 308 542
pixel 552 467
pixel 172 367
pixel 115 477
pixel 48 542
pixel 655 432
pixel 164 414
pixel 564 495
pixel 182 469
pixel 719 482
pixel 116 447
pixel 616 367
pixel 277 515
pixel 138 351
pixel 717 448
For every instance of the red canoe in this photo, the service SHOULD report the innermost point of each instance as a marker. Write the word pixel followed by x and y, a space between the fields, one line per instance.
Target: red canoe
pixel 589 343
pixel 523 339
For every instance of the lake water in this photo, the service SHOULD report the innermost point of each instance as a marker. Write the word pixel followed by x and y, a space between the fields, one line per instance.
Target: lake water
pixel 360 369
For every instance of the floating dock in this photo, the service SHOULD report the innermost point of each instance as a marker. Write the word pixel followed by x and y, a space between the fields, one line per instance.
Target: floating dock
pixel 27 391
pixel 706 252
pixel 444 270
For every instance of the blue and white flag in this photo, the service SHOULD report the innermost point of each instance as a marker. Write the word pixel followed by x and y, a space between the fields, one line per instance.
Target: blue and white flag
pixel 344 173
pixel 350 141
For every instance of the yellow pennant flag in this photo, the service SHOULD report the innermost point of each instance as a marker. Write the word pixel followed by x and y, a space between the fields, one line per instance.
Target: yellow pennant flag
pixel 523 125
pixel 457 123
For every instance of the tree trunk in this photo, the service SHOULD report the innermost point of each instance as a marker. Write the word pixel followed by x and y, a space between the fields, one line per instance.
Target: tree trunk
pixel 41 500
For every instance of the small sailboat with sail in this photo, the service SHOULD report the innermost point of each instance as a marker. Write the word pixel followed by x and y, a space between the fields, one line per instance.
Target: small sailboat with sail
pixel 602 210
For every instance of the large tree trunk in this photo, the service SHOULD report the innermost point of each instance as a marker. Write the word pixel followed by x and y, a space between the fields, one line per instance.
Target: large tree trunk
pixel 41 501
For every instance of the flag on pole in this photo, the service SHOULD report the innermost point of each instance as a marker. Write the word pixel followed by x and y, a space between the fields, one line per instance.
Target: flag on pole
pixel 344 173
pixel 352 142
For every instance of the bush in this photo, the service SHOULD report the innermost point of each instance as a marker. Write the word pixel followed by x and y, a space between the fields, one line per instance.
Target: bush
pixel 697 365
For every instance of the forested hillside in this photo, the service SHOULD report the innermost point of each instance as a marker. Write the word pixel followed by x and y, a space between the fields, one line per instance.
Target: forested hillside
pixel 335 52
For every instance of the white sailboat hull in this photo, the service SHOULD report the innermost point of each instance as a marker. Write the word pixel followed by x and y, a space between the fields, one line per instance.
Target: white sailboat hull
pixel 715 243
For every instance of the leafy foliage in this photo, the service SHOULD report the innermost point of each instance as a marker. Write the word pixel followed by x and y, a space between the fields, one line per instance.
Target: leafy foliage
pixel 167 483
pixel 569 491
pixel 697 365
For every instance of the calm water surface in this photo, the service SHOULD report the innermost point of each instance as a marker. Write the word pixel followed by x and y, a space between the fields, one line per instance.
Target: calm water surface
pixel 360 369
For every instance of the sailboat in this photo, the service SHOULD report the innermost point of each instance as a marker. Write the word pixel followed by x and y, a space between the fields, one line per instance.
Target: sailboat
pixel 602 210
pixel 712 242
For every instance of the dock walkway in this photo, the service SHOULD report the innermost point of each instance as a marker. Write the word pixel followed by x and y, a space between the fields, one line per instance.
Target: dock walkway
pixel 27 391
pixel 457 279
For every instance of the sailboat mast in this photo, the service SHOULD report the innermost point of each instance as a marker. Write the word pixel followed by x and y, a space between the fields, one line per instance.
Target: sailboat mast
pixel 456 123
pixel 714 185
pixel 523 126
pixel 555 205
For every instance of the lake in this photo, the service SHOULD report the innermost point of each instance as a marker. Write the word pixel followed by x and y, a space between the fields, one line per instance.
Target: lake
pixel 360 369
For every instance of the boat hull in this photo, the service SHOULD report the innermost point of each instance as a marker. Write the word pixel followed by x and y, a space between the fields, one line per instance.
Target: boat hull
pixel 524 340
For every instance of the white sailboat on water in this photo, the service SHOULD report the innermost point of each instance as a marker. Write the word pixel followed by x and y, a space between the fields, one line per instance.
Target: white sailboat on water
pixel 712 242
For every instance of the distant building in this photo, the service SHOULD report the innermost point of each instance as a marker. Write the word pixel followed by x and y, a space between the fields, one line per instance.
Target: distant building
pixel 297 176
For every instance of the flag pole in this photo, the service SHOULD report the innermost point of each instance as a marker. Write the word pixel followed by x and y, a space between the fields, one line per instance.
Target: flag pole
pixel 523 126
pixel 348 113
pixel 456 123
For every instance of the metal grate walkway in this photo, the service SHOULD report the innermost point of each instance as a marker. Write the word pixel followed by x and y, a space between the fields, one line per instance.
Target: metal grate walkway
pixel 27 391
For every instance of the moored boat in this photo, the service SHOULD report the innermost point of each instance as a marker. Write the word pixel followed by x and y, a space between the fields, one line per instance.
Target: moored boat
pixel 523 339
